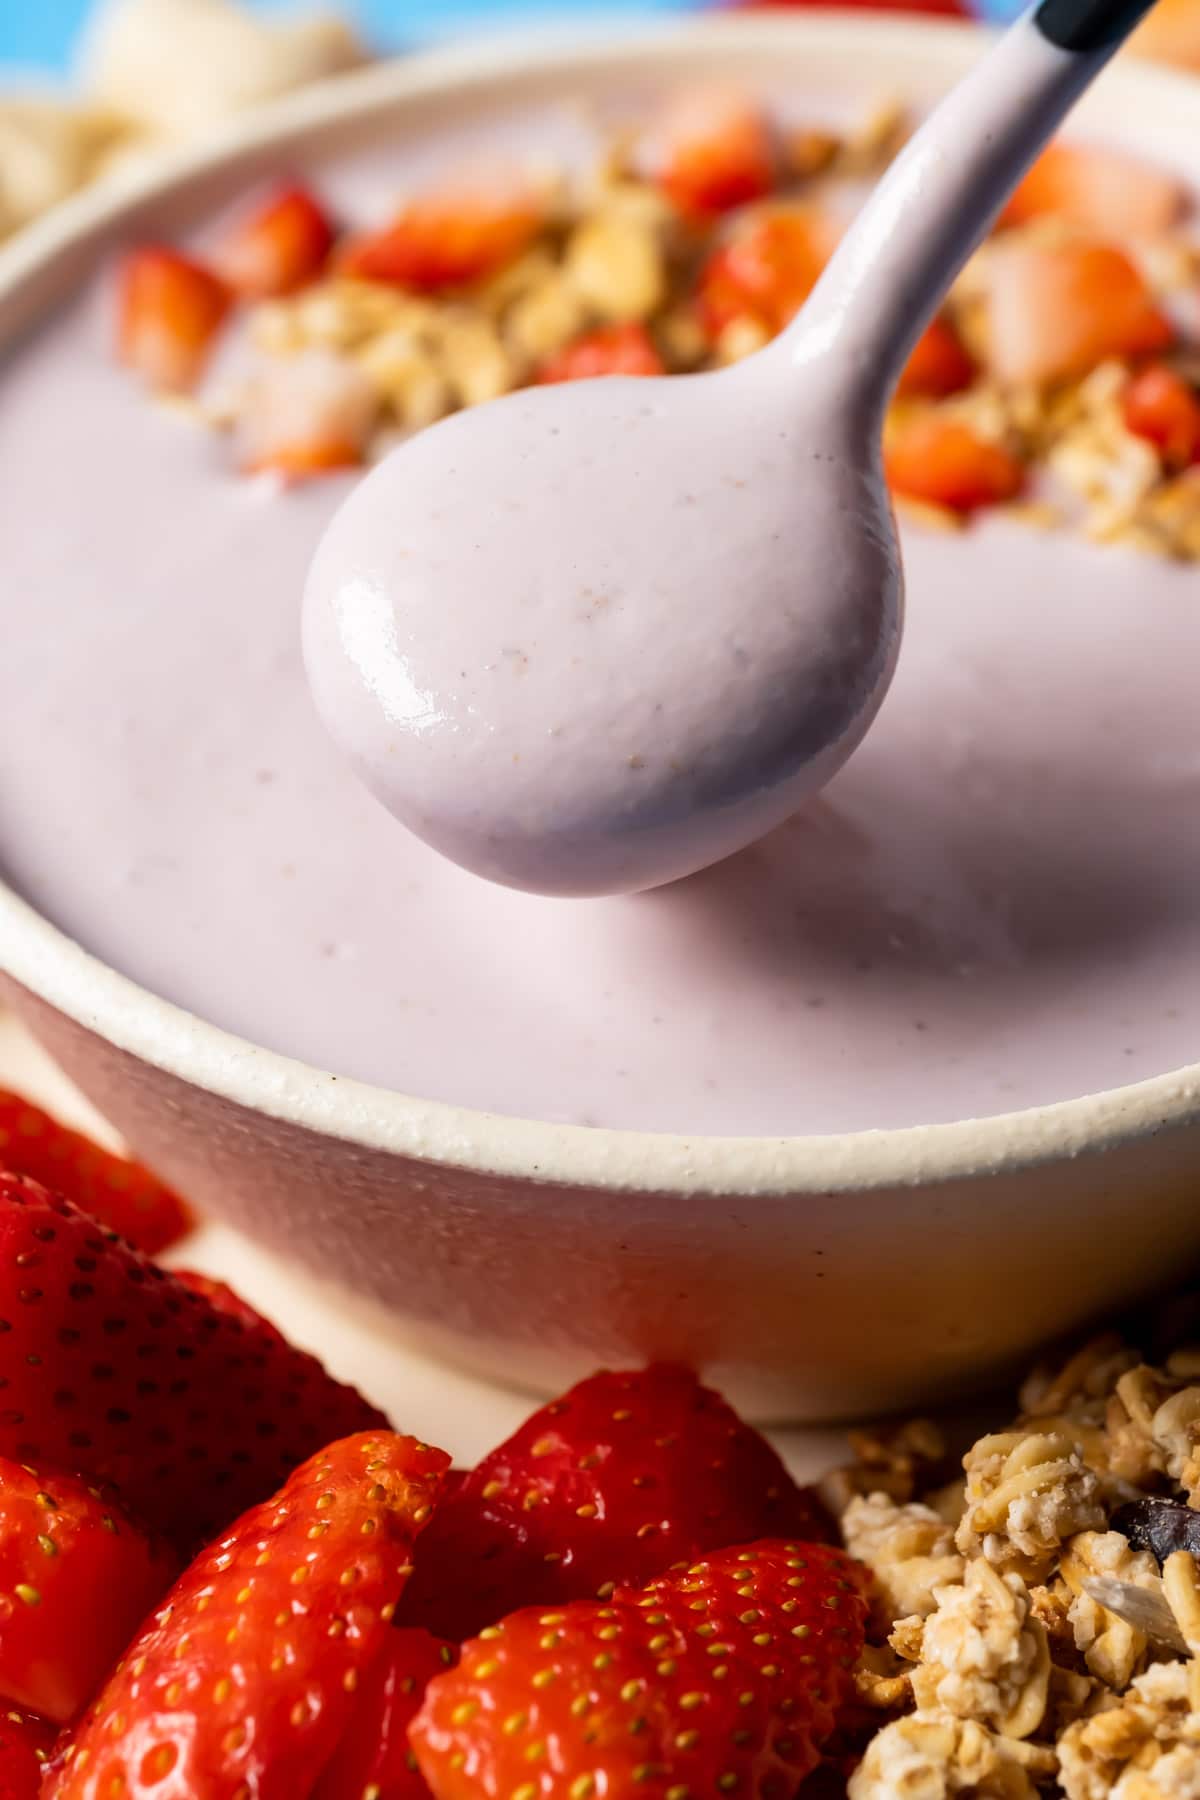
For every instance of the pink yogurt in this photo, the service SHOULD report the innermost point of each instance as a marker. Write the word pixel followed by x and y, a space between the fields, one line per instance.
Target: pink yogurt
pixel 992 906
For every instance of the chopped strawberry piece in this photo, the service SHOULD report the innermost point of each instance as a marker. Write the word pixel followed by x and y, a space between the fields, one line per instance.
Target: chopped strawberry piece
pixel 1171 32
pixel 610 350
pixel 624 1475
pixel 279 248
pixel 1056 310
pixel 120 1195
pixel 306 415
pixel 80 1579
pixel 374 1756
pixel 717 152
pixel 939 365
pixel 117 1372
pixel 245 1680
pixel 1099 190
pixel 25 1747
pixel 766 271
pixel 944 462
pixel 725 1677
pixel 1160 406
pixel 450 238
pixel 170 311
pixel 220 1295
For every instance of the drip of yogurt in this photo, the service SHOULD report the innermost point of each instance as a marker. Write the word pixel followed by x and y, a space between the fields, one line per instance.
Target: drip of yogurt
pixel 592 638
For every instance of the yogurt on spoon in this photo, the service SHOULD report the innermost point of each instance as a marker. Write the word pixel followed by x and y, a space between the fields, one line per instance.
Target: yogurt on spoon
pixel 593 638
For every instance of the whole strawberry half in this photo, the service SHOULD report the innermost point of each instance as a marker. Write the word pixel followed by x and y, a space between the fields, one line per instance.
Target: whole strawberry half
pixel 724 1678
pixel 245 1681
pixel 119 1194
pixel 76 1580
pixel 116 1371
pixel 374 1756
pixel 25 1746
pixel 623 1476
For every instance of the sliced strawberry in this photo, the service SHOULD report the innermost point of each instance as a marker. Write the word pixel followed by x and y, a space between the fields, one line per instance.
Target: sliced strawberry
pixel 279 248
pixel 170 311
pixel 610 350
pixel 944 462
pixel 1160 406
pixel 1171 32
pixel 1100 190
pixel 306 415
pixel 115 1371
pixel 766 270
pixel 717 151
pixel 374 1756
pixel 245 1680
pixel 1056 310
pixel 25 1747
pixel 78 1579
pixel 623 1476
pixel 222 1296
pixel 939 365
pixel 120 1195
pixel 452 237
pixel 722 1678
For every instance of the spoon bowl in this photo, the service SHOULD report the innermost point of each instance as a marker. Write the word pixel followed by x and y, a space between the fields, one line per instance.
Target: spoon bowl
pixel 649 691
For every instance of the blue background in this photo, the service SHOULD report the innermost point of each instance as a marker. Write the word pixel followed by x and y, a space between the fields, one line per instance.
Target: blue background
pixel 39 33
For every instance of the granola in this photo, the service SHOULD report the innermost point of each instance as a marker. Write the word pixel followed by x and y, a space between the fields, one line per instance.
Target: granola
pixel 1060 1652
pixel 1061 378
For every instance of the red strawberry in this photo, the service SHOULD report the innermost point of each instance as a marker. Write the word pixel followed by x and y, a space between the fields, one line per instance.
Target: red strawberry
pixel 78 1579
pixel 121 1195
pixel 170 311
pixel 374 1756
pixel 940 363
pixel 609 350
pixel 722 1678
pixel 115 1370
pixel 1100 190
pixel 278 248
pixel 306 416
pixel 625 1475
pixel 25 1746
pixel 244 1681
pixel 717 152
pixel 766 270
pixel 1056 310
pixel 450 238
pixel 1160 406
pixel 944 462
pixel 222 1296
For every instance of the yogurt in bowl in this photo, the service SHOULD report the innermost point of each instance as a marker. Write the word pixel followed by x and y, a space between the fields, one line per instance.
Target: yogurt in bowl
pixel 863 1072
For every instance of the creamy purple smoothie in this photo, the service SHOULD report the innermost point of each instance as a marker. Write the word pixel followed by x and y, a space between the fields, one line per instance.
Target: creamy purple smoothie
pixel 992 906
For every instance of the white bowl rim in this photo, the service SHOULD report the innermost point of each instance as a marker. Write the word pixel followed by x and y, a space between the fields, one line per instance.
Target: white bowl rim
pixel 56 969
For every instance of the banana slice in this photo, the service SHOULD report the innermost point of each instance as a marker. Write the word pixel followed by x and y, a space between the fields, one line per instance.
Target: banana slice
pixel 176 66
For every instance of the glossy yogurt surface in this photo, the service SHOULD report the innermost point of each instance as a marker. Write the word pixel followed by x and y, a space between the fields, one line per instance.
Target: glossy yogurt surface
pixel 992 906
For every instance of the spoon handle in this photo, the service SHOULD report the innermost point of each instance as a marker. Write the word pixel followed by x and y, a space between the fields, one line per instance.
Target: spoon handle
pixel 941 195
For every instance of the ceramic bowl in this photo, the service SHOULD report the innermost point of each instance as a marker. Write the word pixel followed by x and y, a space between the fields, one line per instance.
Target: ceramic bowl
pixel 811 1276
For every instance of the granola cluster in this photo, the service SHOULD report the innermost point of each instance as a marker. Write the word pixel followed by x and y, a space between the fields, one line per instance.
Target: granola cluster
pixel 1038 1618
pixel 1061 380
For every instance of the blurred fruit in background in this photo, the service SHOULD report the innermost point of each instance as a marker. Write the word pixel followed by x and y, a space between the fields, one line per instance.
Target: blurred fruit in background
pixel 1171 33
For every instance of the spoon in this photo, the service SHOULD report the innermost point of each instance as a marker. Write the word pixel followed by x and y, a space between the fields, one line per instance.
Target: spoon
pixel 590 638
